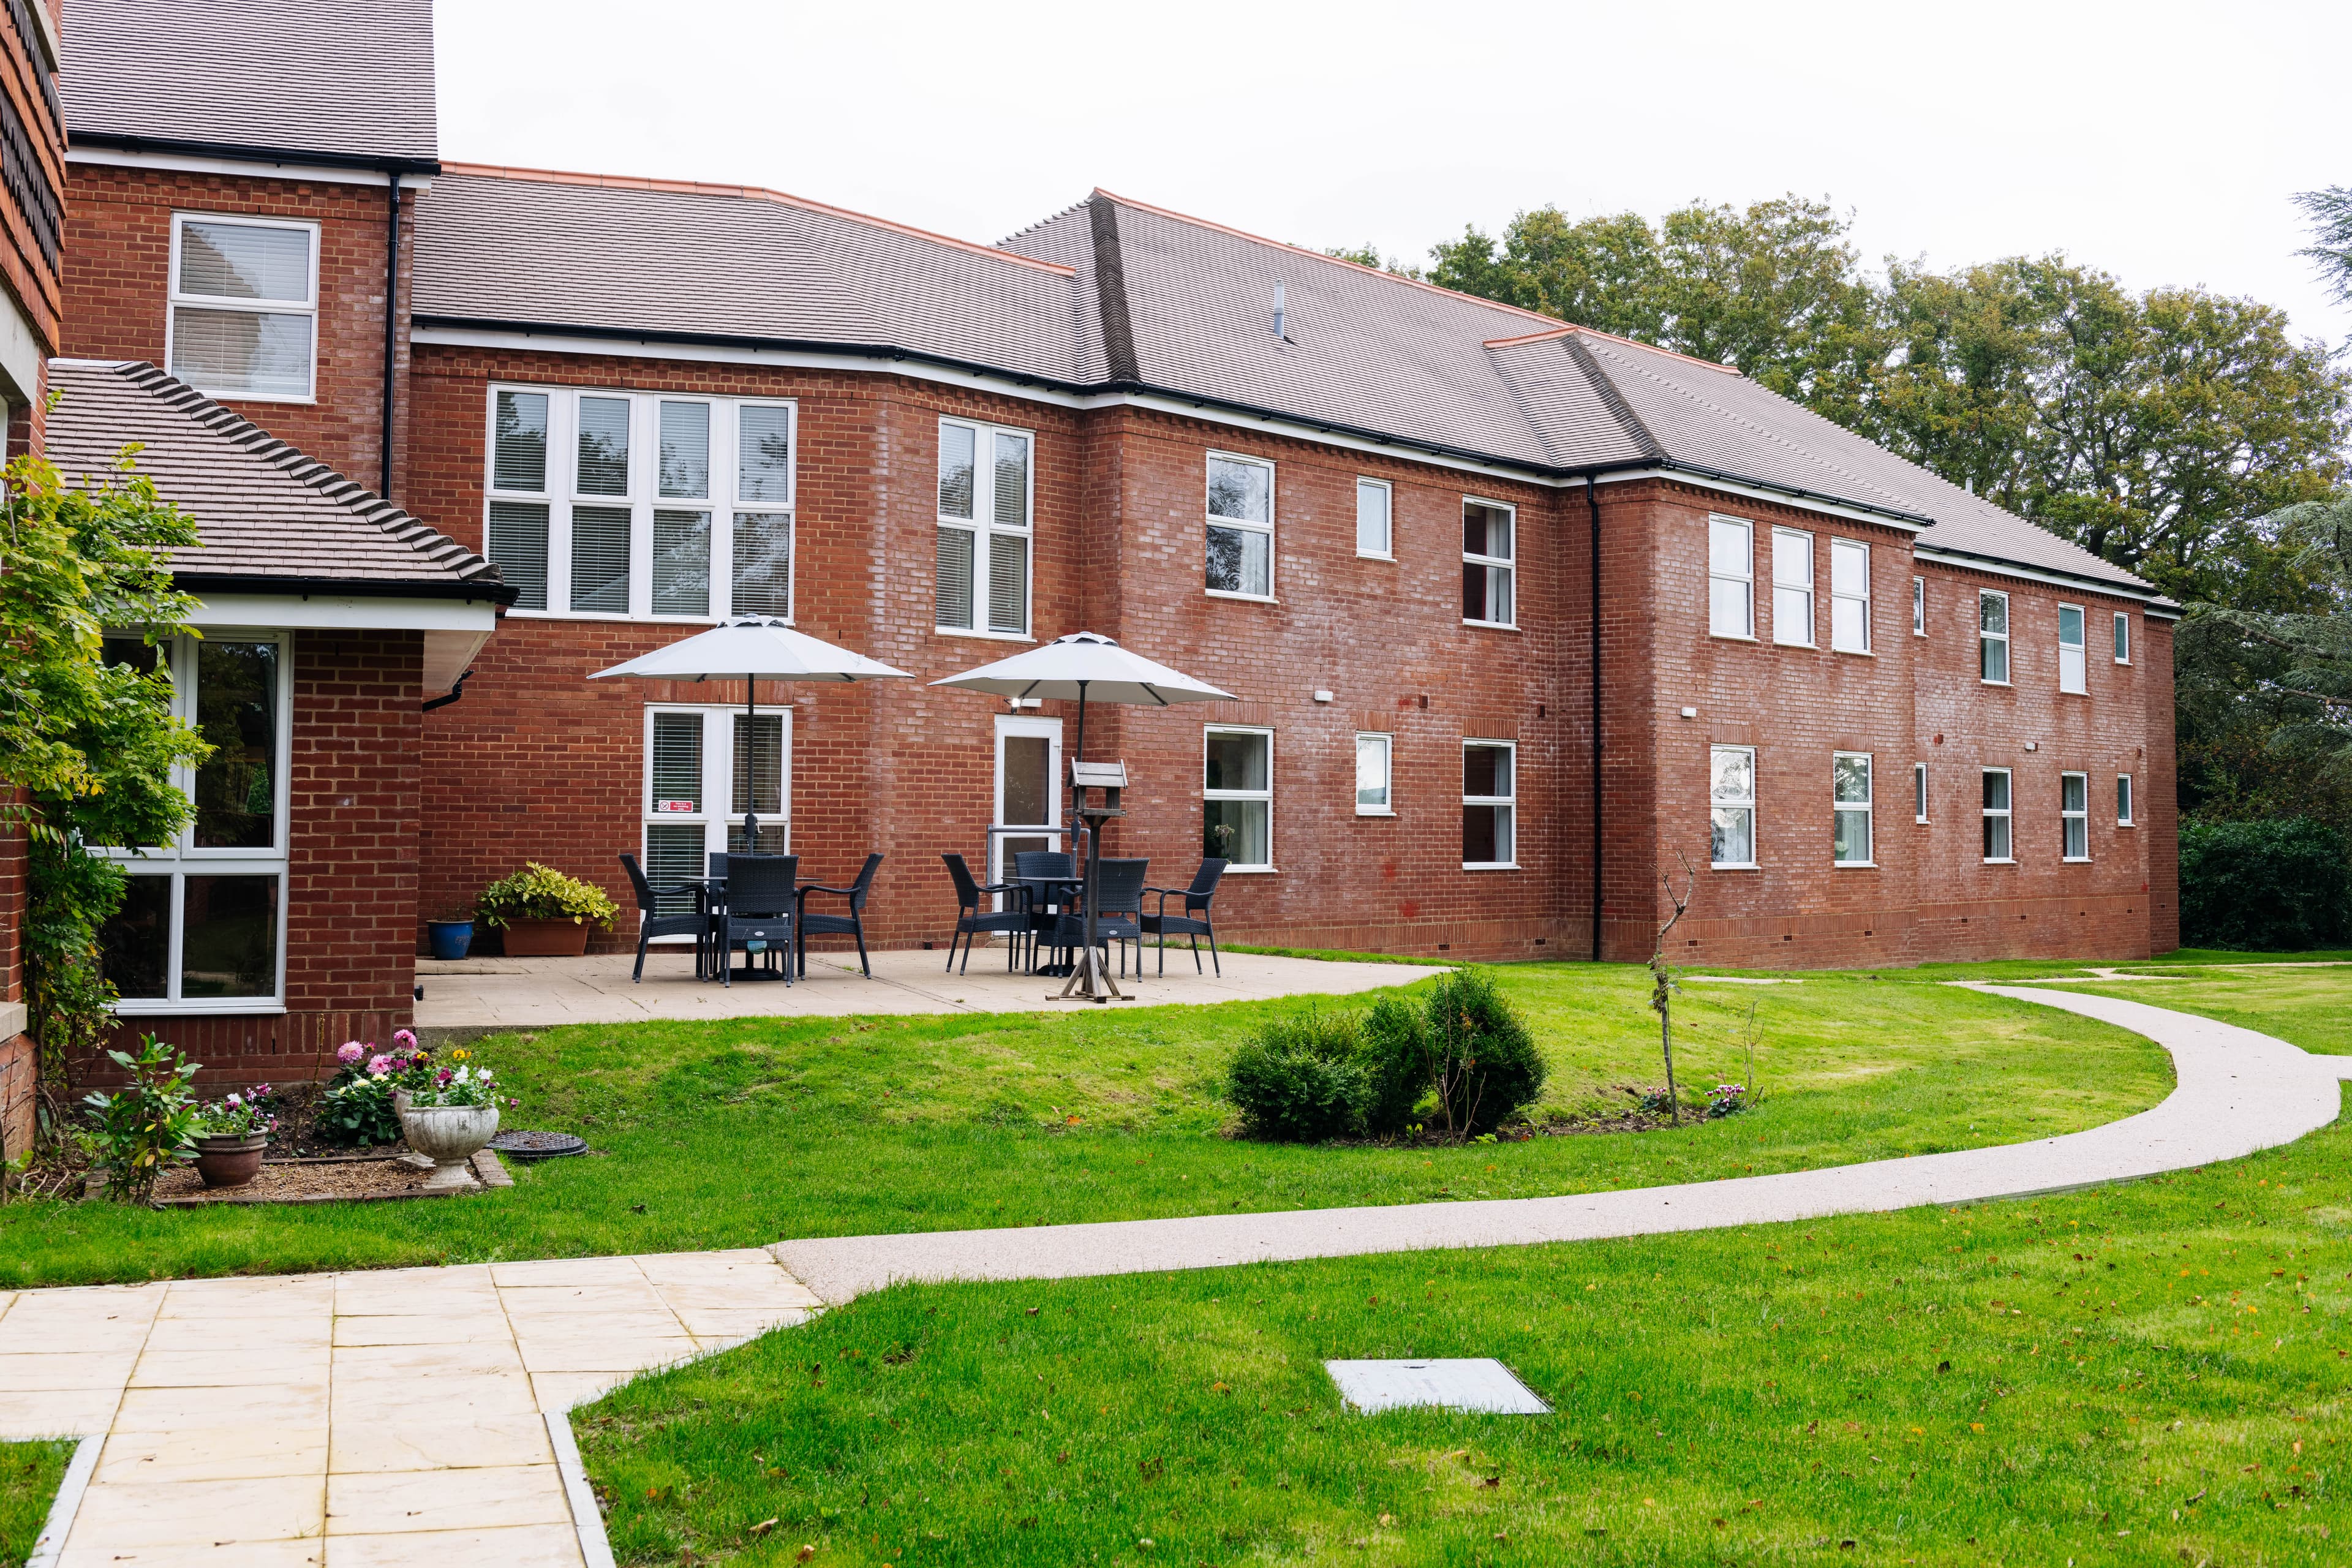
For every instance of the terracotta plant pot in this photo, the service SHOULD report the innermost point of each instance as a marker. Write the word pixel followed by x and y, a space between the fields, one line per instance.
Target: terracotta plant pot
pixel 449 1135
pixel 546 938
pixel 230 1162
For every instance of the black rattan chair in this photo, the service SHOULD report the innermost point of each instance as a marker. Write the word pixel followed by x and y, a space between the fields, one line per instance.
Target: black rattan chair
pixel 1195 921
pixel 1045 914
pixel 761 896
pixel 973 917
pixel 653 921
pixel 851 924
pixel 1118 908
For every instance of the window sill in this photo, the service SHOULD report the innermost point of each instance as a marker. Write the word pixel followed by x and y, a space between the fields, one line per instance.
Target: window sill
pixel 2123 664
pixel 2122 823
pixel 1251 871
pixel 2074 860
pixel 2063 692
pixel 206 1006
pixel 1383 812
pixel 1982 682
pixel 1729 636
pixel 2004 860
pixel 1922 821
pixel 1246 599
pixel 1375 555
pixel 1490 865
pixel 1854 652
pixel 1492 626
pixel 306 398
pixel 1853 864
pixel 1917 633
pixel 1733 866
pixel 1807 647
pixel 984 636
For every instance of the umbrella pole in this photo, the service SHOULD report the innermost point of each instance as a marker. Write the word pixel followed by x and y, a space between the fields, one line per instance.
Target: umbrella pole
pixel 750 777
pixel 1086 978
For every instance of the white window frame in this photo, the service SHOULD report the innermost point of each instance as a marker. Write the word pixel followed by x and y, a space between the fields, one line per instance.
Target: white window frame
pixel 1744 579
pixel 718 816
pixel 1778 588
pixel 1919 801
pixel 2126 802
pixel 1508 564
pixel 1985 639
pixel 1733 803
pixel 643 499
pixel 2123 637
pixel 1241 525
pixel 1508 801
pixel 1387 492
pixel 175 300
pixel 1918 606
pixel 2075 658
pixel 1866 808
pixel 181 858
pixel 982 526
pixel 1386 744
pixel 1847 547
pixel 2073 820
pixel 2005 815
pixel 1265 794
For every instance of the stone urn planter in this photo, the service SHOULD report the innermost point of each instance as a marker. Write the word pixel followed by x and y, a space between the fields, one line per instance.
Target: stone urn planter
pixel 546 938
pixel 449 1136
pixel 230 1162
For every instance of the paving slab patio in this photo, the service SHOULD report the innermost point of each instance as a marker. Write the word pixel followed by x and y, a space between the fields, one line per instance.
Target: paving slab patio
pixel 476 997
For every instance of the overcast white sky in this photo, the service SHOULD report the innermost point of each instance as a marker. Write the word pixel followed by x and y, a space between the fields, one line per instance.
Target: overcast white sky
pixel 2161 141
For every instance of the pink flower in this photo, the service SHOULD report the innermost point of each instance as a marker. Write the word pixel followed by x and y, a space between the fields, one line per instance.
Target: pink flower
pixel 378 1066
pixel 403 1037
pixel 349 1052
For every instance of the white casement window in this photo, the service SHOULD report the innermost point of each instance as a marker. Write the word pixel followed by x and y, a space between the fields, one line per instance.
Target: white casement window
pixel 1241 526
pixel 1792 587
pixel 2074 815
pixel 2123 800
pixel 634 506
pixel 1849 596
pixel 1489 805
pixel 1919 791
pixel 1730 577
pixel 706 769
pixel 986 528
pixel 1918 606
pixel 1375 520
pixel 242 321
pixel 1490 551
pixel 1731 804
pixel 202 923
pixel 1375 755
pixel 2123 637
pixel 2072 672
pixel 1992 638
pixel 1849 806
pixel 1996 816
pixel 1237 796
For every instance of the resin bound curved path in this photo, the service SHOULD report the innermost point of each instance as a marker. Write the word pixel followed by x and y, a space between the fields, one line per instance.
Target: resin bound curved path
pixel 277 1421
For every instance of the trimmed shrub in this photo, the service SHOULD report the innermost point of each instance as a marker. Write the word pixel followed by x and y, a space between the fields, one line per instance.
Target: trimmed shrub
pixel 1304 1078
pixel 1397 1051
pixel 1484 1061
pixel 2280 886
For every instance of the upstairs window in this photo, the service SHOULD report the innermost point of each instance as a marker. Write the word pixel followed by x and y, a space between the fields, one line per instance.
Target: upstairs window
pixel 1792 587
pixel 1918 606
pixel 1489 543
pixel 1992 638
pixel 1996 816
pixel 1731 802
pixel 1489 804
pixel 2123 638
pixel 633 506
pixel 1374 754
pixel 1730 577
pixel 1849 596
pixel 1920 792
pixel 985 529
pixel 244 306
pixel 2074 815
pixel 1850 808
pixel 1241 527
pixel 2123 800
pixel 1375 504
pixel 2072 675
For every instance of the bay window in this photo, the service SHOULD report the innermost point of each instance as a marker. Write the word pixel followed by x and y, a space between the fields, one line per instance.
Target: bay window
pixel 1489 805
pixel 1489 553
pixel 985 529
pixel 242 319
pixel 1241 527
pixel 1237 796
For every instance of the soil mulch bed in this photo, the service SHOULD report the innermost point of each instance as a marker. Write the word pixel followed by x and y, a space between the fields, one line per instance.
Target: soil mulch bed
pixel 363 1179
pixel 295 1106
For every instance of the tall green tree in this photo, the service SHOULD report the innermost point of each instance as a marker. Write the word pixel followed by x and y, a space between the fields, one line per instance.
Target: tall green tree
pixel 2330 212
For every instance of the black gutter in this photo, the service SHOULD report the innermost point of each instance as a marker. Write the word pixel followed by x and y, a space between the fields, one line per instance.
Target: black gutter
pixel 1592 505
pixel 391 318
pixel 495 592
pixel 241 153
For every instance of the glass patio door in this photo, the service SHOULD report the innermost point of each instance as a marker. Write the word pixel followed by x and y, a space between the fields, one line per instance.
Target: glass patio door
pixel 1028 769
pixel 704 767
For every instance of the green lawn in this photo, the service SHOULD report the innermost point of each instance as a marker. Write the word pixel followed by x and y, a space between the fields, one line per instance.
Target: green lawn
pixel 2146 1373
pixel 2311 1007
pixel 29 1474
pixel 736 1133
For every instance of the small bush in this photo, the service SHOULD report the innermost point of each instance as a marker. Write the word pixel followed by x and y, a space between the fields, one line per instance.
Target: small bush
pixel 1398 1051
pixel 148 1122
pixel 1484 1063
pixel 1304 1078
pixel 2264 887
pixel 540 892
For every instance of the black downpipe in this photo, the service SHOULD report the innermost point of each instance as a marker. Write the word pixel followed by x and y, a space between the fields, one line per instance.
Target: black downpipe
pixel 449 696
pixel 391 319
pixel 1592 505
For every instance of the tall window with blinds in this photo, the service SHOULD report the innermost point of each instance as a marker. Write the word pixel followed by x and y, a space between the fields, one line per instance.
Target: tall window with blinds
pixel 704 767
pixel 634 506
pixel 985 529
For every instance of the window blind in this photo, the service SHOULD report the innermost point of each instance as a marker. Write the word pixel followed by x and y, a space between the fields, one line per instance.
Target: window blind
pixel 681 562
pixel 518 549
pixel 600 558
pixel 764 562
pixel 1008 582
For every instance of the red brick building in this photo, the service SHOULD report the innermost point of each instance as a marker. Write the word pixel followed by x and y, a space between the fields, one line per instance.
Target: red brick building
pixel 1519 616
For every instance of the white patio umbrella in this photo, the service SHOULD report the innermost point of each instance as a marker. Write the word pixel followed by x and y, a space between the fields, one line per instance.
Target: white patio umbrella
pixel 751 649
pixel 1088 667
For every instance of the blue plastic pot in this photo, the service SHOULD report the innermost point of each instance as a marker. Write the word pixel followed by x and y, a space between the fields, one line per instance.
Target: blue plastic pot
pixel 449 939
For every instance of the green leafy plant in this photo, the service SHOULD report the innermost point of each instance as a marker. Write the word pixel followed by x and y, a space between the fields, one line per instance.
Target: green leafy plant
pixel 2264 887
pixel 147 1123
pixel 540 892
pixel 1482 1059
pixel 1305 1079
pixel 356 1112
pixel 238 1115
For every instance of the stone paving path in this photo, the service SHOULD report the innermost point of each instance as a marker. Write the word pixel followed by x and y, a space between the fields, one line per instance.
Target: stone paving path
pixel 415 1417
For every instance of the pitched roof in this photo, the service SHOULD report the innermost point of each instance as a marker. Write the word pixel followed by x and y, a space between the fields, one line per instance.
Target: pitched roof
pixel 340 81
pixel 267 514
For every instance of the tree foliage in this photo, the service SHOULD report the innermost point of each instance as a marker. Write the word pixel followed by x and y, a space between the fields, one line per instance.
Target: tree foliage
pixel 2330 212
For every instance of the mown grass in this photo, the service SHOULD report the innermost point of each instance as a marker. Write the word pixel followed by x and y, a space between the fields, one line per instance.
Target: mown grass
pixel 29 1475
pixel 741 1133
pixel 2311 1007
pixel 2153 1372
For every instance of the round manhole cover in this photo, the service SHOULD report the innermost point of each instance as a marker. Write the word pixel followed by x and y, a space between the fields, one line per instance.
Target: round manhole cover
pixel 527 1145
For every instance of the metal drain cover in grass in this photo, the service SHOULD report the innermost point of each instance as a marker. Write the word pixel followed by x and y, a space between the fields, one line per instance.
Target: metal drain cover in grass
pixel 527 1145
pixel 1481 1383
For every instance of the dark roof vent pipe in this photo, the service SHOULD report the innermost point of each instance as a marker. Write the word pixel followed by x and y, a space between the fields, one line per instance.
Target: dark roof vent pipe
pixel 1279 314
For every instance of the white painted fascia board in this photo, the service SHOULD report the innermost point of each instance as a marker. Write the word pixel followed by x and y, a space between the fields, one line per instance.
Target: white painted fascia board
pixel 1755 492
pixel 356 612
pixel 251 168
pixel 2029 574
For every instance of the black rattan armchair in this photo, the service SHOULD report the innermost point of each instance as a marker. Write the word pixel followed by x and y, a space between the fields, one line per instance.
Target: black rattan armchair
pixel 973 916
pixel 1118 905
pixel 762 899
pixel 1195 921
pixel 652 921
pixel 851 924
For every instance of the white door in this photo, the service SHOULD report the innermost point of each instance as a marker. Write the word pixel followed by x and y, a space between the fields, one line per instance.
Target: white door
pixel 704 767
pixel 1028 770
